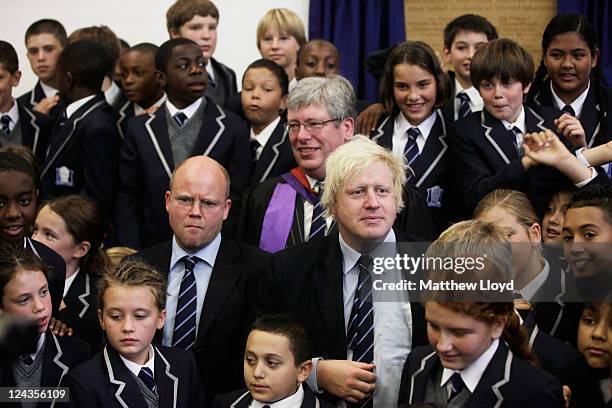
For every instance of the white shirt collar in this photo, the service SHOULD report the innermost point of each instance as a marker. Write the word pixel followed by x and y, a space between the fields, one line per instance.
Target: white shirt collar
pixel 402 125
pixel 292 401
pixel 39 345
pixel 74 106
pixel 576 105
pixel 530 289
pixel 476 102
pixel 139 110
pixel 48 90
pixel 266 132
pixel 68 281
pixel 188 111
pixel 312 181
pixel 350 256
pixel 207 253
pixel 471 374
pixel 210 70
pixel 519 122
pixel 112 94
pixel 13 113
pixel 135 368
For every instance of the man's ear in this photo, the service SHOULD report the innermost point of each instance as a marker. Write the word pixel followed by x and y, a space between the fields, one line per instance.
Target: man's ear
pixel 304 370
pixel 160 78
pixel 16 78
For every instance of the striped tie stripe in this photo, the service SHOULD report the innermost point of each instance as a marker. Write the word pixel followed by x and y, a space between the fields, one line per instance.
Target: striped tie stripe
pixel 184 335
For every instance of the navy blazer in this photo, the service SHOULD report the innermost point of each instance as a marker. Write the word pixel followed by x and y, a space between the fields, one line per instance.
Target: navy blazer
pixel 35 129
pixel 56 264
pixel 484 158
pixel 243 398
pixel 61 354
pixel 104 381
pixel 507 381
pixel 33 97
pixel 589 117
pixel 276 156
pixel 228 79
pixel 83 155
pixel 124 114
pixel 146 165
pixel 226 314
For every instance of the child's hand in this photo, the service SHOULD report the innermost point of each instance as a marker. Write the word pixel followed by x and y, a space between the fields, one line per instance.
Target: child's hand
pixel 571 128
pixel 368 119
pixel 350 380
pixel 46 104
pixel 545 148
pixel 59 328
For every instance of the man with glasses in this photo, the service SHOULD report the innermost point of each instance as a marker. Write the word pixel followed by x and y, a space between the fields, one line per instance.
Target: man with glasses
pixel 285 211
pixel 210 278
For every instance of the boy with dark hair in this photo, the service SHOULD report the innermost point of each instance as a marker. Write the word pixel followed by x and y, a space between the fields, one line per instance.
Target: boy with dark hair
pixel 18 124
pixel 197 20
pixel 186 125
pixel 462 38
pixel 140 83
pixel 44 41
pixel 276 363
pixel 84 145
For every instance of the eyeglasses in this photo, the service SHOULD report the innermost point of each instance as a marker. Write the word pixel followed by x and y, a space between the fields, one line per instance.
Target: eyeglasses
pixel 310 126
pixel 205 205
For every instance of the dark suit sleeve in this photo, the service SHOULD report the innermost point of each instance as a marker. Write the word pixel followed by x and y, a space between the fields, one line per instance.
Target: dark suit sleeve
pixel 130 200
pixel 197 391
pixel 268 298
pixel 547 394
pixel 80 392
pixel 239 169
pixel 473 177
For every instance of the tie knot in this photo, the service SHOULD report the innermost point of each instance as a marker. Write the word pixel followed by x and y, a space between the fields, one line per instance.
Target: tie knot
pixel 569 110
pixel 318 188
pixel 517 131
pixel 5 120
pixel 180 118
pixel 365 262
pixel 463 97
pixel 457 385
pixel 146 375
pixel 28 360
pixel 413 133
pixel 190 262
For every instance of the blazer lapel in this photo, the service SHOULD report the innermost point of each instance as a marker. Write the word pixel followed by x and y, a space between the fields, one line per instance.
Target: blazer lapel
pixel 498 137
pixel 270 153
pixel 488 392
pixel 125 112
pixel 157 128
pixel 212 129
pixel 127 394
pixel 223 278
pixel 329 289
pixel 533 121
pixel 30 131
pixel 433 151
pixel 53 368
pixel 418 379
pixel 167 382
pixel 78 293
pixel 384 132
pixel 589 117
pixel 36 95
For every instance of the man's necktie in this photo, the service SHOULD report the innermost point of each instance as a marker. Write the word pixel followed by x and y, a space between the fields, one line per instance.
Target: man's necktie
pixel 253 146
pixel 411 150
pixel 464 105
pixel 457 385
pixel 317 225
pixel 185 319
pixel 517 135
pixel 27 360
pixel 569 110
pixel 5 121
pixel 146 375
pixel 180 118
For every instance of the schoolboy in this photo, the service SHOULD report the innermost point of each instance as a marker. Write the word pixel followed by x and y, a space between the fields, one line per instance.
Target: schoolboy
pixel 44 40
pixel 140 82
pixel 276 364
pixel 129 371
pixel 187 124
pixel 487 146
pixel 19 125
pixel 317 58
pixel 84 147
pixel 197 20
pixel 264 100
pixel 463 36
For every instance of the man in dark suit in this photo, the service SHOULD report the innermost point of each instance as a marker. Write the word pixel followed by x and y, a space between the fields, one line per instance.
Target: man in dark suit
pixel 327 284
pixel 211 319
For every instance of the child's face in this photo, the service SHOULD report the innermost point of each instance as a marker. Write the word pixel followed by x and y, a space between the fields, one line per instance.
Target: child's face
pixel 552 222
pixel 185 75
pixel 138 77
pixel 43 52
pixel 202 31
pixel 279 47
pixel 587 235
pixel 458 339
pixel 464 45
pixel 130 318
pixel 503 99
pixel 317 59
pixel 27 295
pixel 7 82
pixel 414 90
pixel 595 335
pixel 262 97
pixel 270 370
pixel 51 230
pixel 569 62
pixel 18 200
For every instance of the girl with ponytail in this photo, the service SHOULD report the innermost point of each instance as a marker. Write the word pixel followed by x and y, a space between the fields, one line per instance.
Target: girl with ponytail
pixel 74 227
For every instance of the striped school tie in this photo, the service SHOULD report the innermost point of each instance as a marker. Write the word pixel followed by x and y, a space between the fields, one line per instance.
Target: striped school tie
pixel 360 332
pixel 317 225
pixel 517 134
pixel 180 118
pixel 457 385
pixel 146 376
pixel 185 321
pixel 411 151
pixel 464 105
pixel 5 120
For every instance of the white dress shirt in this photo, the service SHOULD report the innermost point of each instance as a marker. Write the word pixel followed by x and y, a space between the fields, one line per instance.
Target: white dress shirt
pixel 400 138
pixel 476 102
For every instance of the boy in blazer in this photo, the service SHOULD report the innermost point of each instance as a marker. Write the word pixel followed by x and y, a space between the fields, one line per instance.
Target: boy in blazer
pixel 129 371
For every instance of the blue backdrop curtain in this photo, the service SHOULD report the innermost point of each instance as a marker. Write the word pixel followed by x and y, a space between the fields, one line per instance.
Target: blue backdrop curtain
pixel 357 28
pixel 599 13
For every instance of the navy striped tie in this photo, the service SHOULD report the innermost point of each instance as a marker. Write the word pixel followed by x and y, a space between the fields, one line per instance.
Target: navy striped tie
pixel 185 319
pixel 180 118
pixel 464 105
pixel 146 376
pixel 518 134
pixel 5 120
pixel 457 385
pixel 411 151
pixel 360 332
pixel 317 225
